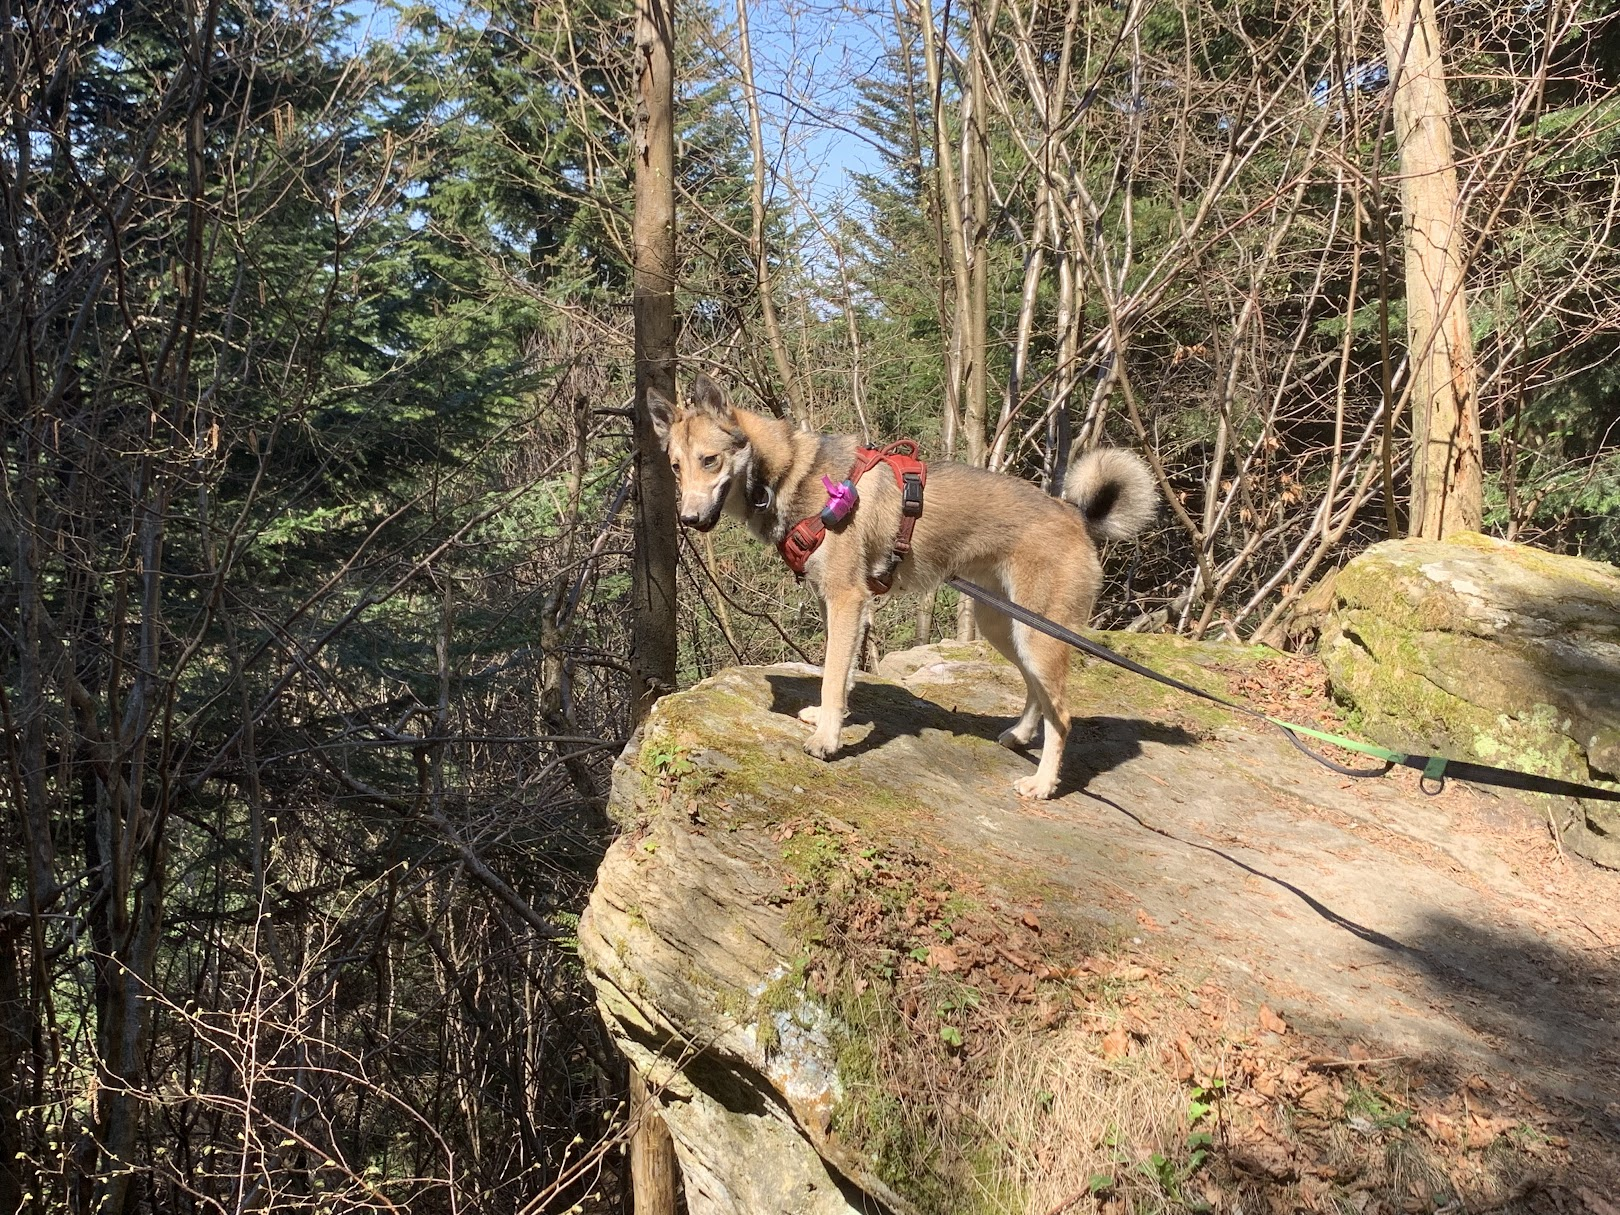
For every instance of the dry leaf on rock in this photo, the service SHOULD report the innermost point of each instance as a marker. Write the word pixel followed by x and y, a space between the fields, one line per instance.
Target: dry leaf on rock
pixel 943 957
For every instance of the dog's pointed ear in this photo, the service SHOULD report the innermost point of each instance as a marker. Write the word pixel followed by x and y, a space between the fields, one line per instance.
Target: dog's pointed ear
pixel 705 396
pixel 661 412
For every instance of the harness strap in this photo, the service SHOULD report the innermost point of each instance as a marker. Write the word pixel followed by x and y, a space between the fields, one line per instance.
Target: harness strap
pixel 801 542
pixel 910 476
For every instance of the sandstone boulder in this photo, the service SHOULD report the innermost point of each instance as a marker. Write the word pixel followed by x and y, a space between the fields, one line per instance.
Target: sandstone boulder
pixel 886 983
pixel 1484 650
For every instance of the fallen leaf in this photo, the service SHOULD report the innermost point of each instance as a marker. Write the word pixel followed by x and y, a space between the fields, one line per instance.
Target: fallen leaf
pixel 1442 1128
pixel 1116 1043
pixel 943 957
pixel 1486 1130
pixel 1597 1205
pixel 1270 1022
pixel 1030 922
pixel 1147 921
pixel 1181 1060
pixel 1268 1160
pixel 1021 960
pixel 1319 1101
pixel 1179 1067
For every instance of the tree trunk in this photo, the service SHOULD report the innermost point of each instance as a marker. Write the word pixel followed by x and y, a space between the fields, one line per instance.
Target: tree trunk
pixel 16 1024
pixel 653 589
pixel 945 176
pixel 653 1167
pixel 971 340
pixel 654 1173
pixel 976 216
pixel 1447 489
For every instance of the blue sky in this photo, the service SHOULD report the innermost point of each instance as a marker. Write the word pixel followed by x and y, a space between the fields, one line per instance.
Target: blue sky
pixel 807 57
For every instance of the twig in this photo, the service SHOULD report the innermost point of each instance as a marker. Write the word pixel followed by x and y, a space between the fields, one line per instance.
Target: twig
pixel 1329 1063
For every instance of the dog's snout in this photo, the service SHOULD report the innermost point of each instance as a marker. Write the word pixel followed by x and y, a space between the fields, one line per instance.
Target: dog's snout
pixel 691 520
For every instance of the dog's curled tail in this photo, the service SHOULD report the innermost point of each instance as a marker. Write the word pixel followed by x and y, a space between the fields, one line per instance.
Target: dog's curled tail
pixel 1114 490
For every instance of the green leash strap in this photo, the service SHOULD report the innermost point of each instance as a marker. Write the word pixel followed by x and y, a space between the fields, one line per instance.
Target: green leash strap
pixel 1435 768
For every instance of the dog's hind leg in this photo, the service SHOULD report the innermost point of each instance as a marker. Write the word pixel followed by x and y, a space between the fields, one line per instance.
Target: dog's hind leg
pixel 1066 596
pixel 997 630
pixel 1046 663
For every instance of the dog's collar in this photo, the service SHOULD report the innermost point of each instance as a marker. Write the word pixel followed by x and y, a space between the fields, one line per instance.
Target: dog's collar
pixel 763 517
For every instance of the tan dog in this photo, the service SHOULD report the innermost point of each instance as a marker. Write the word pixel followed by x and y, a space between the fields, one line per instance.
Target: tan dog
pixel 1003 533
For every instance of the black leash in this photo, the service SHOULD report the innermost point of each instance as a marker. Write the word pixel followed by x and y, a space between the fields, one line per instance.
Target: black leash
pixel 1435 769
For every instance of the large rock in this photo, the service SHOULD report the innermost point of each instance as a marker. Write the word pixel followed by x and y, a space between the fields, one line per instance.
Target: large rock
pixel 1484 650
pixel 886 983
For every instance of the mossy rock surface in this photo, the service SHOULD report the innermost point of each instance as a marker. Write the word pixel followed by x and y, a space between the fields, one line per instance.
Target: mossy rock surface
pixel 776 940
pixel 1483 650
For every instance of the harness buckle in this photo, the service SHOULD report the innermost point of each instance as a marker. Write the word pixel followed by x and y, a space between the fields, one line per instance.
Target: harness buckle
pixel 801 542
pixel 911 495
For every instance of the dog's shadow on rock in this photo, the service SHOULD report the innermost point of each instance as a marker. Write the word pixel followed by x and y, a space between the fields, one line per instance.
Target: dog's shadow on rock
pixel 1096 744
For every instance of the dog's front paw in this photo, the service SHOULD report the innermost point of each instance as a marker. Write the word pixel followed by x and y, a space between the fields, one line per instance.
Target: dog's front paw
pixel 1035 788
pixel 822 745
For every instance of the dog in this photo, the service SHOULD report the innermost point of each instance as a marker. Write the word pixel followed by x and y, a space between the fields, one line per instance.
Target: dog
pixel 1000 532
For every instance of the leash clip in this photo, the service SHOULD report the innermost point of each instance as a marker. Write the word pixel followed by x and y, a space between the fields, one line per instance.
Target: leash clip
pixel 1434 770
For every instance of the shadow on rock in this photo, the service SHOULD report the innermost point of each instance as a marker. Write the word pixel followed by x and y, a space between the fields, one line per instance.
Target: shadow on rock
pixel 1555 1006
pixel 1549 1010
pixel 1096 744
pixel 1361 931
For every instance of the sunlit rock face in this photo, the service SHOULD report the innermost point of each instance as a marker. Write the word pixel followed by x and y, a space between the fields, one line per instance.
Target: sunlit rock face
pixel 1483 650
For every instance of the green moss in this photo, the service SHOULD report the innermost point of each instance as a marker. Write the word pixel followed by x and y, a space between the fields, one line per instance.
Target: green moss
pixel 890 1133
pixel 805 923
pixel 813 854
pixel 760 789
pixel 735 1004
pixel 1396 704
pixel 1395 594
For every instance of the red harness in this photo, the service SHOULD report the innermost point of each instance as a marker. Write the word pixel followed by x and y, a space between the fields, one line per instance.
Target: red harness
pixel 910 474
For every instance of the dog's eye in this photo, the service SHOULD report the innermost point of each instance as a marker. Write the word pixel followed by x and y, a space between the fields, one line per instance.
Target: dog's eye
pixel 675 467
pixel 710 463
